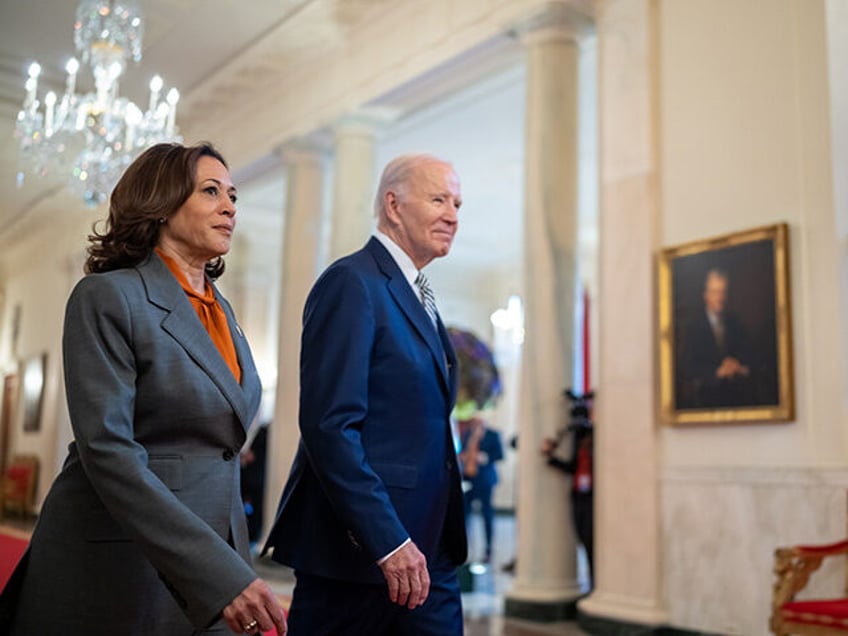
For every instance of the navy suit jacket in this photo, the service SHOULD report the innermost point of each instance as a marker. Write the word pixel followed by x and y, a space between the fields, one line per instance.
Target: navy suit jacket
pixel 376 463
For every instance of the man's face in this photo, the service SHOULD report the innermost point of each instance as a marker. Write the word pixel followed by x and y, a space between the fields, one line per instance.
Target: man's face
pixel 425 211
pixel 715 293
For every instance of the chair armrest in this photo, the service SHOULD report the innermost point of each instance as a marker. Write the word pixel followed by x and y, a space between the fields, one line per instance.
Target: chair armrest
pixel 831 549
pixel 794 565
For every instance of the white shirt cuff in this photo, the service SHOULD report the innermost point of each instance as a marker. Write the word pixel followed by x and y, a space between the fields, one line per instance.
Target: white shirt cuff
pixel 383 560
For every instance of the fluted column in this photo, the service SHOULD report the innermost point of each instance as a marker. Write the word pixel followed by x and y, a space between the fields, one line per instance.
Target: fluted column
pixel 545 585
pixel 300 263
pixel 627 501
pixel 353 181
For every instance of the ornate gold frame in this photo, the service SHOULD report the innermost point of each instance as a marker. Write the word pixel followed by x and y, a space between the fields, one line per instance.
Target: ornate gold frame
pixel 784 410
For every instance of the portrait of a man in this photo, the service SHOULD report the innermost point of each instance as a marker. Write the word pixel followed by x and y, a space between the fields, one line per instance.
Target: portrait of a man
pixel 727 334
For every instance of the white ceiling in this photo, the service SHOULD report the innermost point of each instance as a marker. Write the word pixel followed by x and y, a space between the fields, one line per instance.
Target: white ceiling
pixel 192 43
pixel 185 41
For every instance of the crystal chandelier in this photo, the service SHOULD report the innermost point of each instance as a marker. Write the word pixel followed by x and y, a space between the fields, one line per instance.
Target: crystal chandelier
pixel 92 138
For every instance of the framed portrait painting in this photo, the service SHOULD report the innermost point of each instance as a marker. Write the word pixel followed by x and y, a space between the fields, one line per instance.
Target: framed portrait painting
pixel 32 372
pixel 725 329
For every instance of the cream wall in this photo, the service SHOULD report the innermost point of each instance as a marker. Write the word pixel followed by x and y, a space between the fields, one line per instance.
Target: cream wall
pixel 837 41
pixel 745 140
pixel 39 268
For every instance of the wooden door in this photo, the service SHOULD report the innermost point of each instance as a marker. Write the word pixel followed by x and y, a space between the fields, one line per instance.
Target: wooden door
pixel 10 401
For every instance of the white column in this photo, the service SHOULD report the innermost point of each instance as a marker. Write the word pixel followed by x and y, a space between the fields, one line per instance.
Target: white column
pixel 74 264
pixel 545 585
pixel 628 546
pixel 353 181
pixel 300 263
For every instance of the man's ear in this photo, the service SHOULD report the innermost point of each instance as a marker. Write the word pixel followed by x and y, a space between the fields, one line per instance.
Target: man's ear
pixel 392 203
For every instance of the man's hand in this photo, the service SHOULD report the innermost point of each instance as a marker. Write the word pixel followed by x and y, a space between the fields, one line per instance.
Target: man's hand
pixel 731 367
pixel 548 446
pixel 407 576
pixel 255 610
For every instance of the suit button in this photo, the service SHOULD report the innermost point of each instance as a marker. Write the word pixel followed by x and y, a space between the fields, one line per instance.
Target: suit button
pixel 228 454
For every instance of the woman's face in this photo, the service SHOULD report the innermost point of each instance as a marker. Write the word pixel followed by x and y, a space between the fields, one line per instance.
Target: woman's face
pixel 202 228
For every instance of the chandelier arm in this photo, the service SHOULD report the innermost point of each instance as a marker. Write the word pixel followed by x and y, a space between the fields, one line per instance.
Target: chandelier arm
pixel 91 138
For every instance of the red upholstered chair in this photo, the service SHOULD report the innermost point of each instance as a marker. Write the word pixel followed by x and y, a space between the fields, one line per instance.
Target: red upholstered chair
pixel 19 483
pixel 816 617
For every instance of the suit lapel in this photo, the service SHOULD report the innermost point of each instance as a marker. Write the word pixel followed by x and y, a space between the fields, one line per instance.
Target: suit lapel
pixel 184 326
pixel 411 306
pixel 450 359
pixel 251 387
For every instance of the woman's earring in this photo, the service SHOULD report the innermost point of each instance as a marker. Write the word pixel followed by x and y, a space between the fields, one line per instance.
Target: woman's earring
pixel 162 220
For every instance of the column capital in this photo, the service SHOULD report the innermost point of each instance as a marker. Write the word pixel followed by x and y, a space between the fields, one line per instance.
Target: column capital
pixel 365 121
pixel 558 20
pixel 302 150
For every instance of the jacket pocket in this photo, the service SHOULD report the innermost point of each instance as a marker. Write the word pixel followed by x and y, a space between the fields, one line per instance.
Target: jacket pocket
pixel 169 469
pixel 397 475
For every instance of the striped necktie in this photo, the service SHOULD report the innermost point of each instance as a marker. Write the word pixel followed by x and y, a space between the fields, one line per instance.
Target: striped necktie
pixel 427 298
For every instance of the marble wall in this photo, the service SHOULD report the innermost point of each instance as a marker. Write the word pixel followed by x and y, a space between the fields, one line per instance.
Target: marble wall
pixel 720 527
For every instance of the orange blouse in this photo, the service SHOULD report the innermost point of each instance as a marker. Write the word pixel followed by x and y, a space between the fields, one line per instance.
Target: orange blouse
pixel 211 315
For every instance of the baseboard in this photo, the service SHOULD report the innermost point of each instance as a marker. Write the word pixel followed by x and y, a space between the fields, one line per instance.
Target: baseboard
pixel 541 612
pixel 599 626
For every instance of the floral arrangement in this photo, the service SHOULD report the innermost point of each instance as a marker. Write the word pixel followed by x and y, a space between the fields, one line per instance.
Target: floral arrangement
pixel 479 380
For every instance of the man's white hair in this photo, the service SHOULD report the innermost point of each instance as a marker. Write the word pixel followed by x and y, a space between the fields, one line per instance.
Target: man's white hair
pixel 396 176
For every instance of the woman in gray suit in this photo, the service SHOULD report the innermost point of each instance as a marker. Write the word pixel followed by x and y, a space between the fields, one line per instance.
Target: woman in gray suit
pixel 143 532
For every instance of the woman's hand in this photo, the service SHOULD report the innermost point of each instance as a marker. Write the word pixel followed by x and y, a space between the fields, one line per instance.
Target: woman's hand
pixel 255 610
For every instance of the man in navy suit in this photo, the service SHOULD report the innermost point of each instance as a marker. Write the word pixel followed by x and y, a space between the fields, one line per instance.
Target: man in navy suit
pixel 371 518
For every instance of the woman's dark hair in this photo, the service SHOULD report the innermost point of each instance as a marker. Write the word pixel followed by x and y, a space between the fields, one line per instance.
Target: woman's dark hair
pixel 151 189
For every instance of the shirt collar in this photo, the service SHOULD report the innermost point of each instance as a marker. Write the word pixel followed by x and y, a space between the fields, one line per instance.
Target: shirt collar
pixel 401 258
pixel 714 318
pixel 208 296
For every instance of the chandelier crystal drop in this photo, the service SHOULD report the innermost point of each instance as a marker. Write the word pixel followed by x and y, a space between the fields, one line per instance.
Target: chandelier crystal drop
pixel 92 138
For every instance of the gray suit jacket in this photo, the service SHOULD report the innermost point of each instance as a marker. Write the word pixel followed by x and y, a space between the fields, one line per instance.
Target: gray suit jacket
pixel 137 533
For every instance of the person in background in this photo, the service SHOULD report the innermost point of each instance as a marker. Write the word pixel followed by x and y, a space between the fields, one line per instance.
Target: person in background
pixel 143 531
pixel 252 459
pixel 371 518
pixel 481 450
pixel 580 468
pixel 479 446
